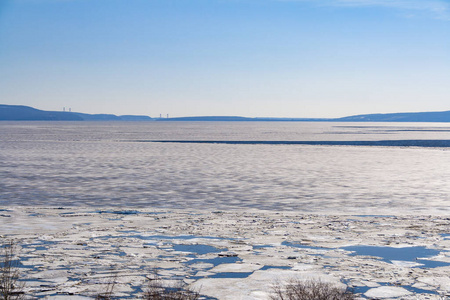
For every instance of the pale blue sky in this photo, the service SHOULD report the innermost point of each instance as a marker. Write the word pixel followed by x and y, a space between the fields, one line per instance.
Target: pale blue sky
pixel 279 58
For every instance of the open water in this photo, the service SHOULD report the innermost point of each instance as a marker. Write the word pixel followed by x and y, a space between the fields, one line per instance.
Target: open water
pixel 370 168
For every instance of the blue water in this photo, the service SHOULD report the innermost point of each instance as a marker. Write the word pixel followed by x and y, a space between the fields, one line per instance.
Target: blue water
pixel 197 249
pixel 309 167
pixel 446 236
pixel 388 254
pixel 231 275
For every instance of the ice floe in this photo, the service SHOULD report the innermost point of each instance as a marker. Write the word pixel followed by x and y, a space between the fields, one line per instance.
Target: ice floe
pixel 73 253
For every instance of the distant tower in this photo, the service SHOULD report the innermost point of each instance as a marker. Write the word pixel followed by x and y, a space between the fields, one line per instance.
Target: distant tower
pixel 70 109
pixel 64 109
pixel 160 116
pixel 167 116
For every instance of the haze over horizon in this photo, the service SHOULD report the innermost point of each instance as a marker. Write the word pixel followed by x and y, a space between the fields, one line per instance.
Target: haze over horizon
pixel 252 58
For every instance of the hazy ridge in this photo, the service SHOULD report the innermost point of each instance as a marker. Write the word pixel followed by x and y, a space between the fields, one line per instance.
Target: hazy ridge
pixel 26 113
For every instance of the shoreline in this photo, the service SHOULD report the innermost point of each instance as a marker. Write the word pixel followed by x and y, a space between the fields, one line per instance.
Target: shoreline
pixel 231 254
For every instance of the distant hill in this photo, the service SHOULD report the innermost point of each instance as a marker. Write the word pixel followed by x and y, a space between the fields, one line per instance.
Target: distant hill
pixel 98 117
pixel 438 116
pixel 206 118
pixel 135 118
pixel 240 119
pixel 441 116
pixel 26 113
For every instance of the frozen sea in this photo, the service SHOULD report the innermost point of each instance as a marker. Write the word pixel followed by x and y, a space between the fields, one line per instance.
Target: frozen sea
pixel 367 168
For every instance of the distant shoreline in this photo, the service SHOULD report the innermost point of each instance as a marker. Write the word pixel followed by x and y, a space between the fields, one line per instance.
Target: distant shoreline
pixel 26 113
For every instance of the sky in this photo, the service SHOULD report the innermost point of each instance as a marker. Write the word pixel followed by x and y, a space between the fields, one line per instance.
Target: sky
pixel 253 58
